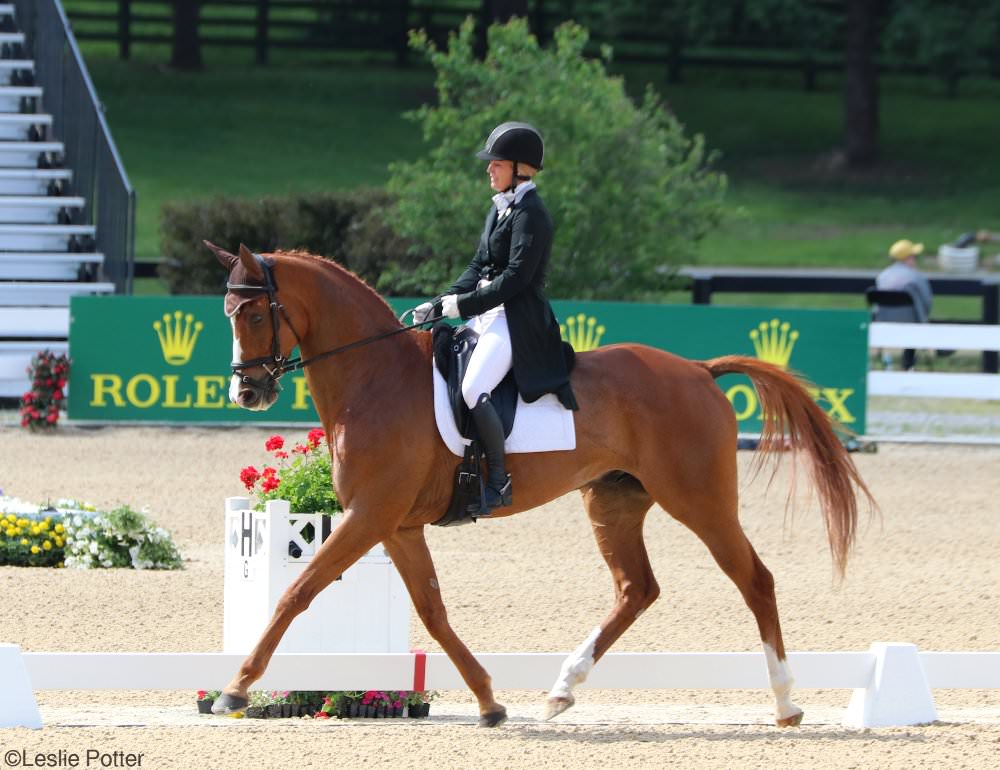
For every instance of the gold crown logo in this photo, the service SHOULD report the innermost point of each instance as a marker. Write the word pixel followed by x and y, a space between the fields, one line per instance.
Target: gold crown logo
pixel 773 342
pixel 581 332
pixel 177 337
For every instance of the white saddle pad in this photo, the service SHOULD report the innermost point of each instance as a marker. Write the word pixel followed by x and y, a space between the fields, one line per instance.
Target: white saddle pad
pixel 544 425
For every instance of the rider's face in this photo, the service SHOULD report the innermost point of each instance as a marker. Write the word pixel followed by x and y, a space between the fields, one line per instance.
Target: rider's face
pixel 501 174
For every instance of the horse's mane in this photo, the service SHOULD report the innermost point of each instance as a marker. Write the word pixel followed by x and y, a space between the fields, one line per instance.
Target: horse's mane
pixel 341 271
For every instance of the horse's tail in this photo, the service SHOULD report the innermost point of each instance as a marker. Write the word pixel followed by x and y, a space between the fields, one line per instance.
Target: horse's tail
pixel 792 420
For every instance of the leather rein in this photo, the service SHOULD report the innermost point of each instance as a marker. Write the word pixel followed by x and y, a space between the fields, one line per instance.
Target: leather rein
pixel 277 365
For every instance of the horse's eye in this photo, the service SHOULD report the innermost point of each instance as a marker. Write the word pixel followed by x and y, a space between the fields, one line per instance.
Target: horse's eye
pixel 256 319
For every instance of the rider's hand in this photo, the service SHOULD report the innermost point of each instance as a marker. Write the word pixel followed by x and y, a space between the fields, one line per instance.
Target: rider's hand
pixel 449 305
pixel 422 312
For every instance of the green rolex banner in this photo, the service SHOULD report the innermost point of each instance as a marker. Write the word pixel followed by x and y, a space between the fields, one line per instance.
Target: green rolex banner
pixel 166 359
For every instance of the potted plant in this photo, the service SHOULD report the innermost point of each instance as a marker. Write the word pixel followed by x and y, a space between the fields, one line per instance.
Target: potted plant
pixel 300 475
pixel 205 700
pixel 418 704
pixel 275 704
pixel 257 707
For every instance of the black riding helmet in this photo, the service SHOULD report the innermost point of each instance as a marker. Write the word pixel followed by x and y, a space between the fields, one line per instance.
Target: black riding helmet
pixel 517 142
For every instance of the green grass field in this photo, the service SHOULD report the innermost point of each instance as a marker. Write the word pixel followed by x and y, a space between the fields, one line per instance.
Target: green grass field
pixel 321 122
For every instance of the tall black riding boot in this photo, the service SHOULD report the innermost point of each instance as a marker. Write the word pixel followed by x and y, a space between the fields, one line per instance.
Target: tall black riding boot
pixel 490 430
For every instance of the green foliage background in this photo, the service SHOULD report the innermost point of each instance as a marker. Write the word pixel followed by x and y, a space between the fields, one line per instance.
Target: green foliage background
pixel 628 190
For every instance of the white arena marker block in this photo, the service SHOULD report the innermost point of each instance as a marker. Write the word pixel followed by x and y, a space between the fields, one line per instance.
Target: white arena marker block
pixel 17 701
pixel 898 694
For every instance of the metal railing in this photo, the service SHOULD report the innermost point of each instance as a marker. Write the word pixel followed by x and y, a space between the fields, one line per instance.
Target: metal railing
pixel 78 121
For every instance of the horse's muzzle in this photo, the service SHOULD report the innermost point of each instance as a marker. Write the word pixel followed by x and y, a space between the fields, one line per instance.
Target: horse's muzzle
pixel 257 395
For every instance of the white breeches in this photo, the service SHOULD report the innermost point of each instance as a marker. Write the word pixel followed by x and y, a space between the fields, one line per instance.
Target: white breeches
pixel 492 358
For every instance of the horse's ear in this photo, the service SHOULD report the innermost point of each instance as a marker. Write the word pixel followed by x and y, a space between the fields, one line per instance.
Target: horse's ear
pixel 225 258
pixel 250 264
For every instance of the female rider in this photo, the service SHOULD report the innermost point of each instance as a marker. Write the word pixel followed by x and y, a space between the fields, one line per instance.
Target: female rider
pixel 501 295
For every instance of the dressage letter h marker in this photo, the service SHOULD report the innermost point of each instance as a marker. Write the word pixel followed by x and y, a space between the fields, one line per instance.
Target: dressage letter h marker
pixel 367 611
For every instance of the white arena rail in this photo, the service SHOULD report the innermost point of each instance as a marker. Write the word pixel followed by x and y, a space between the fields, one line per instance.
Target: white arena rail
pixel 934 337
pixel 891 682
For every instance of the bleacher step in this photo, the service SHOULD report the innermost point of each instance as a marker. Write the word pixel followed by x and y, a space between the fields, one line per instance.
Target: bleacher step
pixel 34 322
pixel 11 96
pixel 33 181
pixel 27 154
pixel 9 66
pixel 15 359
pixel 37 209
pixel 49 293
pixel 42 237
pixel 35 266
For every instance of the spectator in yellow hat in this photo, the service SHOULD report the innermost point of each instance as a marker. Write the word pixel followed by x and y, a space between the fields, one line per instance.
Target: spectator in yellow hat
pixel 903 275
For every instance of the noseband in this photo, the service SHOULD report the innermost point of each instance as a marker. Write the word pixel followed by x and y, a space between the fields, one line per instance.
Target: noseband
pixel 277 365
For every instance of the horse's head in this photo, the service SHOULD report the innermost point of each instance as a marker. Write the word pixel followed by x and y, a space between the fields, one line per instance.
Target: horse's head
pixel 262 344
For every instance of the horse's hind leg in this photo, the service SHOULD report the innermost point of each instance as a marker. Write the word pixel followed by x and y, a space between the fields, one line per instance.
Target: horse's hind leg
pixel 712 516
pixel 408 550
pixel 617 505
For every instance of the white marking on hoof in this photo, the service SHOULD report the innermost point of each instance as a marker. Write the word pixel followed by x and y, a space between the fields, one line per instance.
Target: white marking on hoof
pixel 574 671
pixel 555 706
pixel 781 679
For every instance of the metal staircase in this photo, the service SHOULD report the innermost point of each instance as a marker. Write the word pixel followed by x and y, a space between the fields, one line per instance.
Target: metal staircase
pixel 66 218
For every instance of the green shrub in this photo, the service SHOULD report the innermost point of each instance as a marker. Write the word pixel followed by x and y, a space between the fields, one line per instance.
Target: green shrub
pixel 348 227
pixel 629 192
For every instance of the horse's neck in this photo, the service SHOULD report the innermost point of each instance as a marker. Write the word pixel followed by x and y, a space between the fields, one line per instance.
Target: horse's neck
pixel 344 311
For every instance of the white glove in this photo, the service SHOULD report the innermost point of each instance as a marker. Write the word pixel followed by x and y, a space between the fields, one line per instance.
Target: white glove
pixel 449 304
pixel 422 312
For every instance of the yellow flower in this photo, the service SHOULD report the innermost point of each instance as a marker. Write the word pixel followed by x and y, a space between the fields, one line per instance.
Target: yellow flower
pixel 23 522
pixel 11 517
pixel 44 526
pixel 47 545
pixel 59 542
pixel 36 530
pixel 11 532
pixel 60 528
pixel 18 531
pixel 35 549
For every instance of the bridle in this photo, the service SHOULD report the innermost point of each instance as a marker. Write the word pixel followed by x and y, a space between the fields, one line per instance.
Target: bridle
pixel 277 365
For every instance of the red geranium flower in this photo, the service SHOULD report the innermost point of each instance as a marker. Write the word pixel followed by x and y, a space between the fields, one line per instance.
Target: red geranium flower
pixel 315 436
pixel 273 443
pixel 249 476
pixel 270 483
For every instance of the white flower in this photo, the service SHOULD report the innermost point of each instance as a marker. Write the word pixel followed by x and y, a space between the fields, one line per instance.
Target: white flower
pixel 93 548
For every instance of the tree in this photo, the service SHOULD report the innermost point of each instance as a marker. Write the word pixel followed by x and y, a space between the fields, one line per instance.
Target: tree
pixel 861 84
pixel 629 192
pixel 950 39
pixel 186 51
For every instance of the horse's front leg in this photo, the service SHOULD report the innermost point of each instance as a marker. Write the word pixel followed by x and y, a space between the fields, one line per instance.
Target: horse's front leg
pixel 409 552
pixel 348 543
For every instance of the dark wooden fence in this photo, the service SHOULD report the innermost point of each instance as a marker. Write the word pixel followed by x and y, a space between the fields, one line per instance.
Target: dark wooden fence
pixel 382 26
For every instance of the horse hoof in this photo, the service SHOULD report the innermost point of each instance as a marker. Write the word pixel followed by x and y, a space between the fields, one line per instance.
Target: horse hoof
pixel 793 721
pixel 229 704
pixel 555 706
pixel 493 718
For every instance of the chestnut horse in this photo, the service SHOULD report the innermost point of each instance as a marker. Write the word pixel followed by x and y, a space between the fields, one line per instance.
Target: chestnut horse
pixel 652 428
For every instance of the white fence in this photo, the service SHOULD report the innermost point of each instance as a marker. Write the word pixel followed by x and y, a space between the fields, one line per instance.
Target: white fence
pixel 891 682
pixel 934 337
